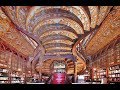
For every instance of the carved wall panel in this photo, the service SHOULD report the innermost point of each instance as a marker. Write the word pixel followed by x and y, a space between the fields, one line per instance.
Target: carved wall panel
pixel 14 38
pixel 109 30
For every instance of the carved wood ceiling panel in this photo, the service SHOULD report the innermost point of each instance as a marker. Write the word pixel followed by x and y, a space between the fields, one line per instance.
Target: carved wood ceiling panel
pixel 56 37
pixel 59 41
pixel 61 32
pixel 54 48
pixel 14 38
pixel 76 10
pixel 58 52
pixel 109 30
pixel 103 12
pixel 59 20
pixel 21 14
pixel 56 45
pixel 54 27
pixel 94 15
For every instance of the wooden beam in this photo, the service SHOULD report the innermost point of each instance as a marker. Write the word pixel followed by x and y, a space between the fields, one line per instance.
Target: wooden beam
pixel 69 56
pixel 30 35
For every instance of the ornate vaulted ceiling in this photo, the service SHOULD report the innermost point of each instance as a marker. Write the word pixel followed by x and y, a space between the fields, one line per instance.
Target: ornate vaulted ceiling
pixel 56 29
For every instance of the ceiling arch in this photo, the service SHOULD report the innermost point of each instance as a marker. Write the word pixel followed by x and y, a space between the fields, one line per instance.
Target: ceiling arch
pixel 21 15
pixel 53 37
pixel 76 10
pixel 58 27
pixel 56 45
pixel 60 32
pixel 50 27
pixel 62 47
pixel 94 15
pixel 59 20
pixel 59 41
pixel 103 12
pixel 58 50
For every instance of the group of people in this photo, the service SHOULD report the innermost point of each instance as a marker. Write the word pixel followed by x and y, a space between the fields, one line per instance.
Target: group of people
pixel 35 81
pixel 104 80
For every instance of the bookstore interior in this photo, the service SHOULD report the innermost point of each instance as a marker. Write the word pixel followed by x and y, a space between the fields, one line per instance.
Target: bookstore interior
pixel 59 44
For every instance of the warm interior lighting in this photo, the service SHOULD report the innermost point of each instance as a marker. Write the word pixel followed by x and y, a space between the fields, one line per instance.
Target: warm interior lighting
pixel 19 69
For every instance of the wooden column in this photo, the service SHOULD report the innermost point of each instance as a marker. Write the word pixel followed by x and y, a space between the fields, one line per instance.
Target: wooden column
pixel 10 68
pixel 31 72
pixel 40 76
pixel 107 66
pixel 40 69
pixel 25 65
pixel 92 74
pixel 107 72
pixel 75 71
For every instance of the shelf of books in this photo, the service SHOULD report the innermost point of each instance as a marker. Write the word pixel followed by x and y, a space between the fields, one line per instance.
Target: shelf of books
pixel 114 64
pixel 87 76
pixel 114 73
pixel 3 76
pixel 108 65
pixel 11 68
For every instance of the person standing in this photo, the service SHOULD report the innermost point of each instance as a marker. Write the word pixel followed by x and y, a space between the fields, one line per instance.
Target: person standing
pixel 104 80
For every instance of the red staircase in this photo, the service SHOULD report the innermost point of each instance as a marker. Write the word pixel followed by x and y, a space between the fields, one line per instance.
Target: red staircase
pixel 58 78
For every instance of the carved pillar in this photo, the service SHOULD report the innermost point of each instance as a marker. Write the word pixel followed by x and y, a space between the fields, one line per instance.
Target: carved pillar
pixel 75 71
pixel 29 64
pixel 25 66
pixel 31 72
pixel 41 61
pixel 40 65
pixel 10 68
pixel 91 69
